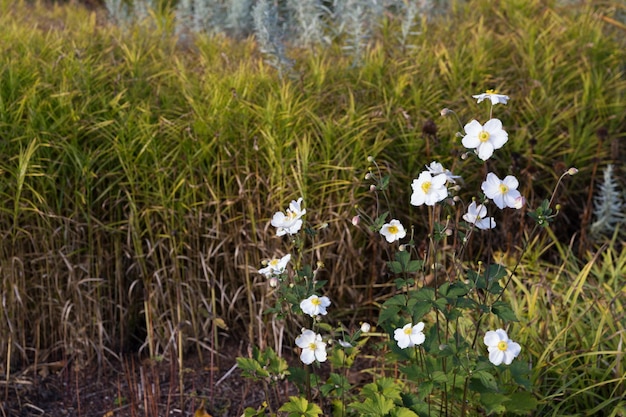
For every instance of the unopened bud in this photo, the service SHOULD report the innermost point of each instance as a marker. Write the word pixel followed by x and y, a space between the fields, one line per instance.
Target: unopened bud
pixel 372 188
pixel 402 248
pixel 558 207
pixel 445 112
pixel 519 202
pixel 365 327
pixel 370 158
pixel 572 171
pixel 273 282
pixel 368 176
pixel 356 220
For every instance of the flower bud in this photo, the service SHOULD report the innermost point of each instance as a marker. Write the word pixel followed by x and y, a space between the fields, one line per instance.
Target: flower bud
pixel 365 327
pixel 445 112
pixel 370 158
pixel 519 202
pixel 368 176
pixel 356 220
pixel 273 282
pixel 572 171
pixel 402 248
pixel 372 188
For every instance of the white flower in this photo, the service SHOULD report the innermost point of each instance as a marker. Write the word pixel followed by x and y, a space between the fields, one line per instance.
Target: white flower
pixel 476 215
pixel 501 348
pixel 344 344
pixel 410 335
pixel 436 168
pixel 312 347
pixel 275 266
pixel 393 231
pixel 493 96
pixel 503 192
pixel 484 138
pixel 289 222
pixel 428 189
pixel 314 305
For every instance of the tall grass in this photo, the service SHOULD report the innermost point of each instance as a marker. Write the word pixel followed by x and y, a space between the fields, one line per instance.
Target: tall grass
pixel 140 170
pixel 572 322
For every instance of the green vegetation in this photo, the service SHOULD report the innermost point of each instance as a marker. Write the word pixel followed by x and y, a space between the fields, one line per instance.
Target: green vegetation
pixel 139 171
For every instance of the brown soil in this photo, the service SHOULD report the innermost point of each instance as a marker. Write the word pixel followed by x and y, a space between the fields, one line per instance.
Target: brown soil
pixel 131 388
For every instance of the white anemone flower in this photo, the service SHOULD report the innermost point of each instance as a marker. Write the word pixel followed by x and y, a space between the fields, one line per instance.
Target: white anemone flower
pixel 501 348
pixel 275 266
pixel 476 215
pixel 484 139
pixel 428 189
pixel 313 348
pixel 409 335
pixel 314 305
pixel 493 96
pixel 436 168
pixel 503 192
pixel 393 231
pixel 289 222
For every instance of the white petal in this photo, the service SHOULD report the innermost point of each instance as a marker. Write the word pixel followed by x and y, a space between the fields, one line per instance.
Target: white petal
pixel 307 356
pixel 496 357
pixel 511 182
pixel 473 128
pixel 492 338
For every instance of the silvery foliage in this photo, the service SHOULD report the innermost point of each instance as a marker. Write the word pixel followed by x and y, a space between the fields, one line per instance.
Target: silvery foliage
pixel 308 24
pixel 276 23
pixel 608 205
pixel 270 35
pixel 126 13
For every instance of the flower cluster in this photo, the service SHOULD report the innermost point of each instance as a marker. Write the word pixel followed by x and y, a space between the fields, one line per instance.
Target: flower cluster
pixel 290 222
pixel 435 184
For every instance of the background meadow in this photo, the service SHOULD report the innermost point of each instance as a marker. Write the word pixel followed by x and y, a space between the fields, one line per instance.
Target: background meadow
pixel 141 165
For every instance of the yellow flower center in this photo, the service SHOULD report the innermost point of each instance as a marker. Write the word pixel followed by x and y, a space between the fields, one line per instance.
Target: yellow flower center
pixel 274 262
pixel 291 215
pixel 408 330
pixel 483 136
pixel 426 186
pixel 504 189
pixel 316 301
pixel 312 346
pixel 491 92
pixel 503 346
pixel 393 229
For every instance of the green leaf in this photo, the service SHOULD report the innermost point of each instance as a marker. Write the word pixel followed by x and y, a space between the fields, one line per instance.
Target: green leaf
pixel 375 406
pixel 300 407
pixel 493 403
pixel 520 371
pixel 521 403
pixel 439 377
pixel 504 311
pixel 395 267
pixel 402 412
pixel 251 368
pixel 487 380
pixel 420 309
pixel 388 313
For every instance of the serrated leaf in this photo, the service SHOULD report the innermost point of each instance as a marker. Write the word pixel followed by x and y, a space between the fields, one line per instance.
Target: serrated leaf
pixel 402 412
pixel 504 311
pixel 376 405
pixel 300 407
pixel 487 380
pixel 521 403
pixel 493 403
